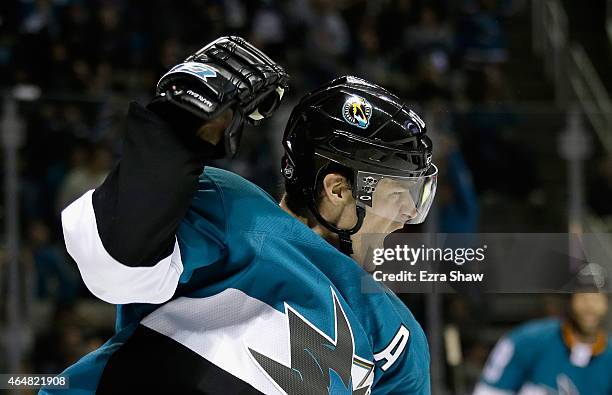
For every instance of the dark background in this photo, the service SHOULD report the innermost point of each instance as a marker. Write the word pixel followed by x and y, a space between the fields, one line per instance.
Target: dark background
pixel 473 69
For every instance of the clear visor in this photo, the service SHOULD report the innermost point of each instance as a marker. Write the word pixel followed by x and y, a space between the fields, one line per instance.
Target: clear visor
pixel 400 199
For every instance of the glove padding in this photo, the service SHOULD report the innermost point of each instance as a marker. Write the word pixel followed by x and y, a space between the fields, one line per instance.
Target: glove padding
pixel 227 73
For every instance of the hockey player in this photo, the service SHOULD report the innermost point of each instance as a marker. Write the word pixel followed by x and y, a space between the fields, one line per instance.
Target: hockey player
pixel 220 290
pixel 552 357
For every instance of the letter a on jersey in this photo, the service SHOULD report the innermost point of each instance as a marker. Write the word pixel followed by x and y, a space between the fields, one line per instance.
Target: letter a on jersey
pixel 319 365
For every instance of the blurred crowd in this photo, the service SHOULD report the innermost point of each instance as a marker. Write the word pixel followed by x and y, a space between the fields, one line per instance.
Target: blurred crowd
pixel 89 58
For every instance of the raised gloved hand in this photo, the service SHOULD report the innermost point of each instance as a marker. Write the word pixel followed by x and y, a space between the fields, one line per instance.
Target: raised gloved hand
pixel 228 73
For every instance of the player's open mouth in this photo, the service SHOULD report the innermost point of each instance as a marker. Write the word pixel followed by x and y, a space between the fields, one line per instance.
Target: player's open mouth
pixel 405 217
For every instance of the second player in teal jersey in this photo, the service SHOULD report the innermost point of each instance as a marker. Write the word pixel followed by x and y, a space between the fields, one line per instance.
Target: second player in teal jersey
pixel 554 357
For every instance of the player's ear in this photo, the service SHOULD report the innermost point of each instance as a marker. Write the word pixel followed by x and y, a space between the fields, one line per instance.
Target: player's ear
pixel 337 190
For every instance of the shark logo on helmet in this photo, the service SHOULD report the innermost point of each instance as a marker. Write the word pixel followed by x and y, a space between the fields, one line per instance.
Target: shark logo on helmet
pixel 357 111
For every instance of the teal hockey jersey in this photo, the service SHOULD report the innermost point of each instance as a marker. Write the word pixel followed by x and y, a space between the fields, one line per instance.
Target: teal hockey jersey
pixel 534 360
pixel 248 300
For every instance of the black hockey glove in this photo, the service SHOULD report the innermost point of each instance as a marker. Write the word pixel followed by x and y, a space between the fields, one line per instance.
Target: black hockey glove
pixel 227 73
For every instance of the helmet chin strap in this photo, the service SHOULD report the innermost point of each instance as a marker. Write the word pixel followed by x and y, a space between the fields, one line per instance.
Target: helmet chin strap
pixel 344 235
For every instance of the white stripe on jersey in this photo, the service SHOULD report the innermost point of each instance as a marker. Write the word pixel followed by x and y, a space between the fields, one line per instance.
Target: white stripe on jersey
pixel 498 360
pixel 527 389
pixel 533 389
pixel 485 389
pixel 221 328
pixel 104 276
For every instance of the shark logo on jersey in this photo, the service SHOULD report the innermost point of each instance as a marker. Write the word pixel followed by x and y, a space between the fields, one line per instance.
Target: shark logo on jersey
pixel 319 364
pixel 199 70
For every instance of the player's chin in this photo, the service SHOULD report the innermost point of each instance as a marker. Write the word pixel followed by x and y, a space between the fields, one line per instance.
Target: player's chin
pixel 589 325
pixel 396 224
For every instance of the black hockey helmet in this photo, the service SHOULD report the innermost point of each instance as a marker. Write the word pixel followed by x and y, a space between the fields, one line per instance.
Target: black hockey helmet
pixel 366 129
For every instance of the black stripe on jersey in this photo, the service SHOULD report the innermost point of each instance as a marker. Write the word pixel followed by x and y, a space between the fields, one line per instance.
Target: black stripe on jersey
pixel 150 362
pixel 140 204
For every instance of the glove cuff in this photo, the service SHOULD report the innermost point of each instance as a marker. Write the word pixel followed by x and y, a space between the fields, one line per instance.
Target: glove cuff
pixel 185 125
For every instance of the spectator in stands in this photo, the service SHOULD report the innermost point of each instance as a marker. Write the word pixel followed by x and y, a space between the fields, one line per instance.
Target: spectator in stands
pixel 370 62
pixel 492 144
pixel 458 202
pixel 430 36
pixel 482 37
pixel 62 343
pixel 268 30
pixel 39 15
pixel 430 81
pixel 85 176
pixel 56 279
pixel 327 39
pixel 393 19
